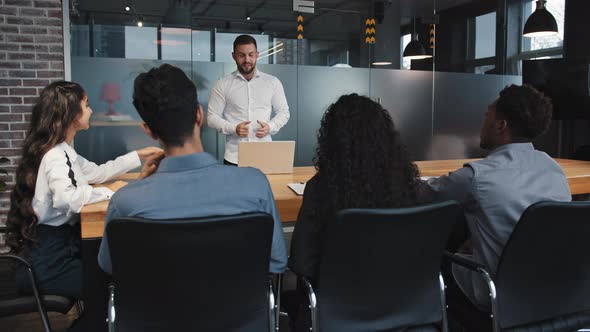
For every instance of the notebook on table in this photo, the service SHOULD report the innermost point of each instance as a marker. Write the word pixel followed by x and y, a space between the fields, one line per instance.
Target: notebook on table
pixel 274 157
pixel 297 187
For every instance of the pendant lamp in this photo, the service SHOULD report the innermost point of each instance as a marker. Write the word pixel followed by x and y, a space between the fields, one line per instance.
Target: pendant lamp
pixel 415 50
pixel 541 23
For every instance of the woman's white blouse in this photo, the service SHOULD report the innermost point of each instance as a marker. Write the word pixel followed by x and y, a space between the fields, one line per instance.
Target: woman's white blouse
pixel 64 183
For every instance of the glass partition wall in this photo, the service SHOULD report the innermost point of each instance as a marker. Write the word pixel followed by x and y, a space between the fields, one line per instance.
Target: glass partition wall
pixel 437 102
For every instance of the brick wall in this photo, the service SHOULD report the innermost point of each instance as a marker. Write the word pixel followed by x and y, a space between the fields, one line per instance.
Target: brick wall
pixel 31 56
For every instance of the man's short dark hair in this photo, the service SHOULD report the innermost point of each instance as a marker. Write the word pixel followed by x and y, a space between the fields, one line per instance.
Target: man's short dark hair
pixel 526 110
pixel 166 100
pixel 244 40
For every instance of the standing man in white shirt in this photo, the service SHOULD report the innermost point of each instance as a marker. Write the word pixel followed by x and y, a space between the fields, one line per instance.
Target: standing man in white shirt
pixel 241 103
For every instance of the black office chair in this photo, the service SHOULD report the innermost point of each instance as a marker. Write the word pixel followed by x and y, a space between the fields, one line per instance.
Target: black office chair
pixel 542 282
pixel 201 274
pixel 13 303
pixel 380 270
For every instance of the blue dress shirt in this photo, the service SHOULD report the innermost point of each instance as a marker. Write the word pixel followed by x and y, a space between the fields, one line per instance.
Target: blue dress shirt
pixel 197 185
pixel 495 191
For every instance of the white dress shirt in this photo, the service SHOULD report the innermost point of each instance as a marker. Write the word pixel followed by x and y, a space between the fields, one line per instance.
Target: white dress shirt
pixel 234 100
pixel 63 183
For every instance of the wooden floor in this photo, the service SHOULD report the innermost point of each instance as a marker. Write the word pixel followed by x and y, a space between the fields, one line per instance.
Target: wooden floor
pixel 60 323
pixel 32 322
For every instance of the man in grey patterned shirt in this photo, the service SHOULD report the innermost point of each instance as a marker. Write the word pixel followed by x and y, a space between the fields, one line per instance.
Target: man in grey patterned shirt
pixel 496 190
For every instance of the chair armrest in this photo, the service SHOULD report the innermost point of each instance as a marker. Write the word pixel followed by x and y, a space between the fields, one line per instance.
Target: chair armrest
pixel 313 304
pixel 15 258
pixel 36 293
pixel 477 267
pixel 310 292
pixel 463 261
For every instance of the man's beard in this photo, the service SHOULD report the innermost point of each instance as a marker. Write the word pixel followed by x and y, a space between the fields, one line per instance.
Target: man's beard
pixel 246 72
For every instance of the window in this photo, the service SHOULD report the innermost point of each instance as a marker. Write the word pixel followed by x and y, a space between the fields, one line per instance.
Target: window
pixel 140 43
pixel 224 45
pixel 483 69
pixel 485 36
pixel 285 51
pixel 557 9
pixel 201 45
pixel 80 40
pixel 175 43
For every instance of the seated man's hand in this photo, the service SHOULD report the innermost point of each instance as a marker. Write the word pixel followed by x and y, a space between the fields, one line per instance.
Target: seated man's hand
pixel 149 151
pixel 242 129
pixel 263 130
pixel 151 165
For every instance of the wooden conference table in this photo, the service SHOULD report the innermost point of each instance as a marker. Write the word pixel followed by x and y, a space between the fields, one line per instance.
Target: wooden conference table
pixel 288 203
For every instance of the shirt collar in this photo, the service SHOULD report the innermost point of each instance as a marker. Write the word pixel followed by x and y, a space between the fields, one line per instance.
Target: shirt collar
pixel 69 150
pixel 513 147
pixel 239 75
pixel 187 162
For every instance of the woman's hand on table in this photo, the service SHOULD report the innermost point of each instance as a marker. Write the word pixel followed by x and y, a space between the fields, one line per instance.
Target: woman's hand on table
pixel 147 152
pixel 151 164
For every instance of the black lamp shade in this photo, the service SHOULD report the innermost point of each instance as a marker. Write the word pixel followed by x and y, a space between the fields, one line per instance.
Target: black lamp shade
pixel 540 23
pixel 415 50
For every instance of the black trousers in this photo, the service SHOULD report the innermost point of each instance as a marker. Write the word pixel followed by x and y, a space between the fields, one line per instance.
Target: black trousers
pixel 463 316
pixel 56 263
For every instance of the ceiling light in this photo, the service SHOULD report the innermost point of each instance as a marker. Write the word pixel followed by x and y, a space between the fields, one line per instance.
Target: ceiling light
pixel 541 23
pixel 415 50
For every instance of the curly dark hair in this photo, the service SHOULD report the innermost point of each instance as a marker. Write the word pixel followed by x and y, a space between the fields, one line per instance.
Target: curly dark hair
pixel 526 111
pixel 166 99
pixel 360 159
pixel 57 108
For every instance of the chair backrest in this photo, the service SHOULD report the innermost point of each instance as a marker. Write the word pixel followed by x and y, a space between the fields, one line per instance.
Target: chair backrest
pixel 193 274
pixel 12 302
pixel 544 270
pixel 379 268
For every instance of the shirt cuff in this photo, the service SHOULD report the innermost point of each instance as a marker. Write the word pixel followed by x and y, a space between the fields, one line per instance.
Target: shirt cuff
pixel 100 194
pixel 133 159
pixel 272 128
pixel 230 129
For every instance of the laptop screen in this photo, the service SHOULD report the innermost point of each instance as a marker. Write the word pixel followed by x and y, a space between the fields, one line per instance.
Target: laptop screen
pixel 275 157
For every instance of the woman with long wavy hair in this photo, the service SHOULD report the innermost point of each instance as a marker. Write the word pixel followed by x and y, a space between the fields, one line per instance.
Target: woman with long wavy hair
pixel 361 163
pixel 52 185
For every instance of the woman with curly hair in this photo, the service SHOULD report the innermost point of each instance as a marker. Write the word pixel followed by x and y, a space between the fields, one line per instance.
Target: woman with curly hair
pixel 52 185
pixel 361 163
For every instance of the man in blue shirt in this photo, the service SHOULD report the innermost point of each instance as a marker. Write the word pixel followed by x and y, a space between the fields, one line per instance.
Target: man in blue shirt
pixel 495 191
pixel 188 182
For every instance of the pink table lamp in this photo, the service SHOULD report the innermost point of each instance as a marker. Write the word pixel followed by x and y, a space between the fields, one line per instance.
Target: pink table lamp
pixel 111 92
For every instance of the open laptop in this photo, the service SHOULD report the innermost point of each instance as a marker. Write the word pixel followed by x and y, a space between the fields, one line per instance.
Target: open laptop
pixel 274 157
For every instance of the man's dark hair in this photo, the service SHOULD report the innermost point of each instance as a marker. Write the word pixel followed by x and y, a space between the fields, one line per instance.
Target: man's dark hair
pixel 526 110
pixel 166 100
pixel 244 40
